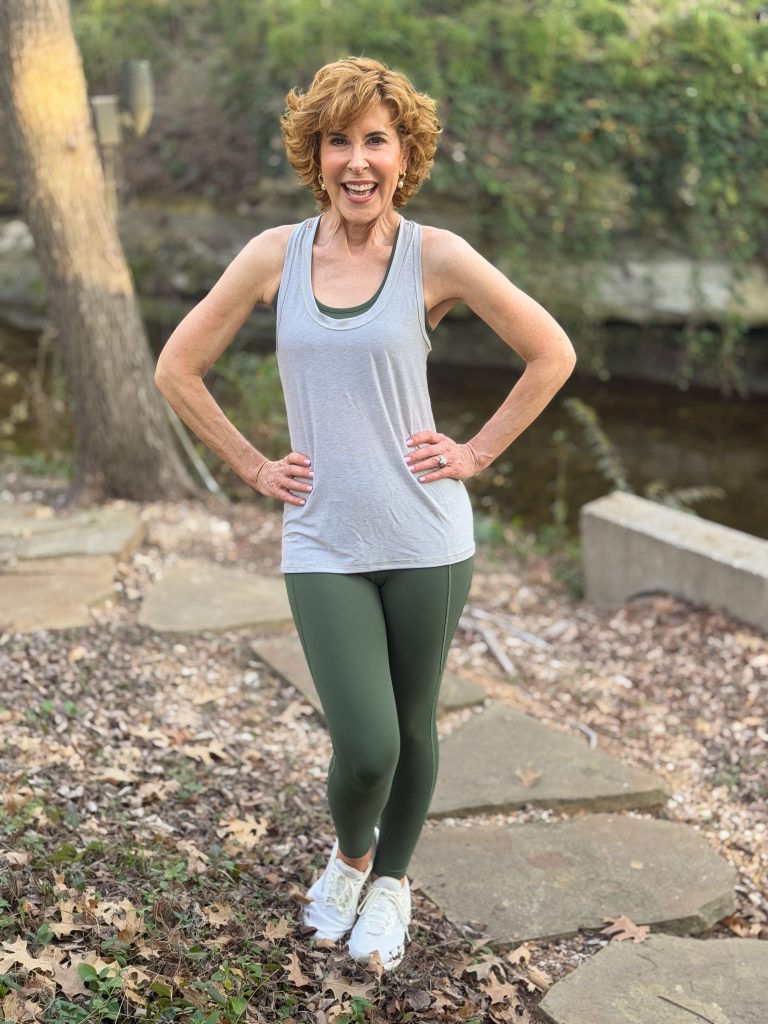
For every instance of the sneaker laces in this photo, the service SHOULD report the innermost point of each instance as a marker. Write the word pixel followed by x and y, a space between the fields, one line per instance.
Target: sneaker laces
pixel 340 890
pixel 381 906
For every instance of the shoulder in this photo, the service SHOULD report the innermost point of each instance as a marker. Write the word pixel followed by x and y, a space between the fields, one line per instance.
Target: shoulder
pixel 264 256
pixel 445 256
pixel 436 243
pixel 270 243
pixel 443 249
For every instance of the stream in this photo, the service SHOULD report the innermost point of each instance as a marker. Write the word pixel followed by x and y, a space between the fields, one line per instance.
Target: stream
pixel 661 434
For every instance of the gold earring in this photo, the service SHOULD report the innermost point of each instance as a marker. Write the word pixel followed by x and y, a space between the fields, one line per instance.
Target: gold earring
pixel 320 181
pixel 402 181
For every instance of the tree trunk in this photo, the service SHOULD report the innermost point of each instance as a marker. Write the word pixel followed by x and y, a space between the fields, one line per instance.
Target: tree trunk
pixel 125 446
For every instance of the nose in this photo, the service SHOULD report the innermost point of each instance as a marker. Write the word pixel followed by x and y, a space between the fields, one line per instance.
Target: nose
pixel 357 160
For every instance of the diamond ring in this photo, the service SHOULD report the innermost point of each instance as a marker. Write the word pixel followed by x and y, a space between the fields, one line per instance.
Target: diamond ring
pixel 442 461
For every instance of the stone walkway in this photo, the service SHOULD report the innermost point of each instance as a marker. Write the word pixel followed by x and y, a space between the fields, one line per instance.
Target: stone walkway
pixel 534 881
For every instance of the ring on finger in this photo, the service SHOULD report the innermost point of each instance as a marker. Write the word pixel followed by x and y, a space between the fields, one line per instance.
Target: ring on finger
pixel 442 461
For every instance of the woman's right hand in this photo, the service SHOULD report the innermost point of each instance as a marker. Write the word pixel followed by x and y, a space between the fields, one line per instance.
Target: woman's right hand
pixel 276 479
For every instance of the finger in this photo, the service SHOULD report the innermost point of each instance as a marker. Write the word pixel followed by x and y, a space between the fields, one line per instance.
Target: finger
pixel 297 480
pixel 298 458
pixel 435 472
pixel 424 460
pixel 301 480
pixel 292 499
pixel 420 454
pixel 422 437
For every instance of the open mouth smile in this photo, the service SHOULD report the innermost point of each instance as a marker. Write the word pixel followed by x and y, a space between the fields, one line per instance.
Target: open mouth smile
pixel 359 193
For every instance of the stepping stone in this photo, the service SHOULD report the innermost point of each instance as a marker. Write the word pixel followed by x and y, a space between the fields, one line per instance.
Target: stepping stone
pixel 35 531
pixel 197 595
pixel 543 881
pixel 501 760
pixel 54 593
pixel 285 655
pixel 665 980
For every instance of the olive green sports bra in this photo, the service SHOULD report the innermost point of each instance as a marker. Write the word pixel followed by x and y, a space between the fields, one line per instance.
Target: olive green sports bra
pixel 339 312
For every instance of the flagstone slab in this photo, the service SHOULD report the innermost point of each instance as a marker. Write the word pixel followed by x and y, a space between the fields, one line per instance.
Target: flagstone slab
pixel 542 881
pixel 195 595
pixel 285 655
pixel 36 531
pixel 502 760
pixel 54 593
pixel 665 980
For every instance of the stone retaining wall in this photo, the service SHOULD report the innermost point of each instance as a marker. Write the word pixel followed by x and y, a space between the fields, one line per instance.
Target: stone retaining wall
pixel 631 545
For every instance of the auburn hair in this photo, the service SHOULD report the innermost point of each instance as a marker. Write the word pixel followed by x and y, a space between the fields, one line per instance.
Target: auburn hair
pixel 342 92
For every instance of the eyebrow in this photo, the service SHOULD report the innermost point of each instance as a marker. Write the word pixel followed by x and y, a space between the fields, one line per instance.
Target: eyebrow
pixel 379 131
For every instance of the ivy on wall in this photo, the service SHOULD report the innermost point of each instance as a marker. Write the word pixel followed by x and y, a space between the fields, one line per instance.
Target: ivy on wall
pixel 568 124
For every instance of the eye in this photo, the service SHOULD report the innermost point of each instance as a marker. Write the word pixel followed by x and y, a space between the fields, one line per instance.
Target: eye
pixel 336 138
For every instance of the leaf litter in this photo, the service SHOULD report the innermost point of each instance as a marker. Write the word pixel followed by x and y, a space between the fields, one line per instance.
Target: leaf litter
pixel 163 804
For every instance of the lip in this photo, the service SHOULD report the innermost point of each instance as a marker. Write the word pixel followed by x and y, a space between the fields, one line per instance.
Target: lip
pixel 356 199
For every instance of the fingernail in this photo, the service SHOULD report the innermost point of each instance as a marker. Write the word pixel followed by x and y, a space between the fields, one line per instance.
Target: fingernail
pixel 302 502
pixel 409 441
pixel 307 462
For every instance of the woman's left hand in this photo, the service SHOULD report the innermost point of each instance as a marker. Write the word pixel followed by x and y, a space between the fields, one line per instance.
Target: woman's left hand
pixel 461 462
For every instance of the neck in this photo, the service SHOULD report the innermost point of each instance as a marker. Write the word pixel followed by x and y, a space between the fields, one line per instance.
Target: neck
pixel 355 236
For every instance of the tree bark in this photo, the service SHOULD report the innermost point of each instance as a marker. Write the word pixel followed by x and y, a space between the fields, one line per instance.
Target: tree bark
pixel 125 447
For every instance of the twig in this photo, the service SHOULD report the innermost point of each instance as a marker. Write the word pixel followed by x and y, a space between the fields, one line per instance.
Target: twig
pixel 492 643
pixel 589 733
pixel 684 1007
pixel 506 623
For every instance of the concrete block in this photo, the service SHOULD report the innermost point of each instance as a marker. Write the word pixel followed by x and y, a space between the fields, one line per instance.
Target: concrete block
pixel 631 545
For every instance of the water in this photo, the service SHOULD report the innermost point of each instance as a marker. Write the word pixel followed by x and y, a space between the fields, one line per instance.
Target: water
pixel 662 434
pixel 685 439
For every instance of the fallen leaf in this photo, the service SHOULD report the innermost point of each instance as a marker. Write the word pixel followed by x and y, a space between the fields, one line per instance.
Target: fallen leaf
pixel 246 831
pixel 621 928
pixel 218 914
pixel 295 973
pixel 528 776
pixel 278 929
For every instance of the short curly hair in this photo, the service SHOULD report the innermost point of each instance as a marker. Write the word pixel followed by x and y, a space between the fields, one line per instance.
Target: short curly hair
pixel 342 92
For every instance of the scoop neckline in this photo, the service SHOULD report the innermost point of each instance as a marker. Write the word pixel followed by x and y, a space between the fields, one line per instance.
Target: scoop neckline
pixel 324 307
pixel 356 320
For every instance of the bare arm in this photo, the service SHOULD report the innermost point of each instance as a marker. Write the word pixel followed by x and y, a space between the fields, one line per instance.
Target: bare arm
pixel 522 324
pixel 201 338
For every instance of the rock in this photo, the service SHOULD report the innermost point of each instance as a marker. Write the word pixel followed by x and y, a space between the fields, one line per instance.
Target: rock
pixel 36 531
pixel 544 881
pixel 665 980
pixel 501 760
pixel 196 595
pixel 54 593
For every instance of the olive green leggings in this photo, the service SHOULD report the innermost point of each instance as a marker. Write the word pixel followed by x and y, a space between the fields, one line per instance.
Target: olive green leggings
pixel 376 644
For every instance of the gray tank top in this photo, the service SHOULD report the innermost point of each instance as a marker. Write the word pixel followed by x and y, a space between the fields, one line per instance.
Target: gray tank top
pixel 355 389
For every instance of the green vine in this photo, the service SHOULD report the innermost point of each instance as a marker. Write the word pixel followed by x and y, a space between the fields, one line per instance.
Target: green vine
pixel 573 129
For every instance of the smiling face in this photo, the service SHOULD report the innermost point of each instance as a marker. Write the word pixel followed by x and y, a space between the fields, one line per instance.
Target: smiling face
pixel 367 152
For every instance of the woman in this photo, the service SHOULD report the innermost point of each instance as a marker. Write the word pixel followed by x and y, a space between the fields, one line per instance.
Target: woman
pixel 378 538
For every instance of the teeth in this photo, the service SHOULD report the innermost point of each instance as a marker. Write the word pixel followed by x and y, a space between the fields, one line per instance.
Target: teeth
pixel 359 188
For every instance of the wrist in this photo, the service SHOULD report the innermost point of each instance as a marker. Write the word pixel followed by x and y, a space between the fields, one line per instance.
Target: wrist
pixel 481 459
pixel 260 470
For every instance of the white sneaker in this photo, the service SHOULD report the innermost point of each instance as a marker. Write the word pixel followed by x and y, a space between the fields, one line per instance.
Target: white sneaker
pixel 335 895
pixel 384 916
